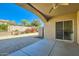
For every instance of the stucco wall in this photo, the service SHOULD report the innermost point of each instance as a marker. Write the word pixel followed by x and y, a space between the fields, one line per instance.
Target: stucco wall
pixel 19 28
pixel 4 34
pixel 49 31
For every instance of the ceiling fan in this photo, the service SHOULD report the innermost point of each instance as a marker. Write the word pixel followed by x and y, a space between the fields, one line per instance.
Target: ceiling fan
pixel 55 5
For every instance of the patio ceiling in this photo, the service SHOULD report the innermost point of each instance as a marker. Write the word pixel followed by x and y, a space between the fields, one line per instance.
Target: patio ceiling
pixel 49 10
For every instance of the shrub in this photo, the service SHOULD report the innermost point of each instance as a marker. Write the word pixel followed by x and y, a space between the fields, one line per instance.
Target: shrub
pixel 15 32
pixel 31 30
pixel 27 31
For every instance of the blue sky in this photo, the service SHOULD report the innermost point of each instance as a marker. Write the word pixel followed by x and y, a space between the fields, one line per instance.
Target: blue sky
pixel 9 11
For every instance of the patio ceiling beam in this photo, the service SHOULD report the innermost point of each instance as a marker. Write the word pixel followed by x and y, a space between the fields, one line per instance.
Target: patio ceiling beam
pixel 31 8
pixel 46 16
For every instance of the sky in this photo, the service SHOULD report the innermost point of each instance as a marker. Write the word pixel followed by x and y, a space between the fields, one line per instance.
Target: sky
pixel 10 11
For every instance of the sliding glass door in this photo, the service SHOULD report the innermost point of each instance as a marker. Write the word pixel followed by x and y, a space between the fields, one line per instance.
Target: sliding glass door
pixel 64 29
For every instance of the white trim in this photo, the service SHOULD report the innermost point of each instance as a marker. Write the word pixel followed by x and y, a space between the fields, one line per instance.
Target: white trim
pixel 70 41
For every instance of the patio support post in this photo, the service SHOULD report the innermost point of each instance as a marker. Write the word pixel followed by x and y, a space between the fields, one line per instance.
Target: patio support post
pixel 78 27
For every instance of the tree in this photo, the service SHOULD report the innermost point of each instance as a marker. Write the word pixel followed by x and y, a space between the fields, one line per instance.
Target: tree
pixel 36 23
pixel 25 22
pixel 11 22
pixel 3 27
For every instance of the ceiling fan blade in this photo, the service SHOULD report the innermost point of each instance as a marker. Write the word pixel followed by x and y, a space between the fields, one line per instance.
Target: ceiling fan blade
pixel 63 3
pixel 54 5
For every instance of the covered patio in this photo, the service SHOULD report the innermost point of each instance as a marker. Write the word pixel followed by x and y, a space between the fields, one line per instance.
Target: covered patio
pixel 61 29
pixel 60 34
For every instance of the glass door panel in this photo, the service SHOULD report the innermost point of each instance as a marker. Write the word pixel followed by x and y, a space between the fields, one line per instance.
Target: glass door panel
pixel 68 30
pixel 59 30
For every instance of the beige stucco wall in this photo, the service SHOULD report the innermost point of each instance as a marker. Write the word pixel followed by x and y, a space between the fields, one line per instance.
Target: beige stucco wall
pixel 19 28
pixel 4 34
pixel 49 31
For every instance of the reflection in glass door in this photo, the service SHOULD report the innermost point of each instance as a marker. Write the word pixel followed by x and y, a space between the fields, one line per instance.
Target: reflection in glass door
pixel 64 30
pixel 59 30
pixel 68 30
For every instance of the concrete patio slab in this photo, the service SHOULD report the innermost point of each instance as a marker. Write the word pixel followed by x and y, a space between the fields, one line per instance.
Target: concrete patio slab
pixel 41 48
pixel 20 53
pixel 65 49
pixel 50 48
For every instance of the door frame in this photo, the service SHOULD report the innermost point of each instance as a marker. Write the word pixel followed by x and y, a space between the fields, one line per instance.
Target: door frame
pixel 70 41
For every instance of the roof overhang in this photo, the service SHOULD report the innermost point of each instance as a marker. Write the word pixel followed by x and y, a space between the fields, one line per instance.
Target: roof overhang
pixel 46 11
